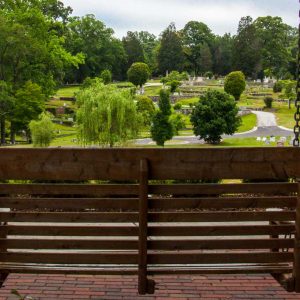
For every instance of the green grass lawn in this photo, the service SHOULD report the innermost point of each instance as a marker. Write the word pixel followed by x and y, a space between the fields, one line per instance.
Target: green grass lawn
pixel 248 123
pixel 152 90
pixel 67 91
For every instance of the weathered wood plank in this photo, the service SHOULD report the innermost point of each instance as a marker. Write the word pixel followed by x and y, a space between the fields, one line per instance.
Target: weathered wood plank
pixel 67 258
pixel 69 217
pixel 69 203
pixel 184 244
pixel 230 216
pixel 221 203
pixel 99 190
pixel 123 164
pixel 219 258
pixel 274 188
pixel 69 244
pixel 55 230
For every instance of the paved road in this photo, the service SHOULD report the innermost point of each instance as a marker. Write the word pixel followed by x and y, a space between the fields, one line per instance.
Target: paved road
pixel 266 127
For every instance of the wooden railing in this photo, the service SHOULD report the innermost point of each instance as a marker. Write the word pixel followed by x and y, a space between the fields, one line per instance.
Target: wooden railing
pixel 148 212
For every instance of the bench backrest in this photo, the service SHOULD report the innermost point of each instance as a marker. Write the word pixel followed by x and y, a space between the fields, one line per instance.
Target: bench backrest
pixel 148 211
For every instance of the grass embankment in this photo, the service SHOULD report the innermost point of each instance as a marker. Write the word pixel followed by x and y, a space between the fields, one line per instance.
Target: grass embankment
pixel 67 91
pixel 248 123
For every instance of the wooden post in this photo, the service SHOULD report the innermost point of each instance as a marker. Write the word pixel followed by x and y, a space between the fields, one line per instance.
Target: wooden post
pixel 3 276
pixel 145 286
pixel 296 273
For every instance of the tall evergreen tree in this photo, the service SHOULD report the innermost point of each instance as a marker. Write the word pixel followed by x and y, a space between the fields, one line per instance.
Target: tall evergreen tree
pixel 170 54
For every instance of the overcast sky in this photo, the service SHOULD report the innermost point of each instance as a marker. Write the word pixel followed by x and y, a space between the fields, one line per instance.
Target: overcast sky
pixel 155 15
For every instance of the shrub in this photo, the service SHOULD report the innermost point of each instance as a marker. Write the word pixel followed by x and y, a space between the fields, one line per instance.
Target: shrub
pixel 278 87
pixel 178 122
pixel 106 76
pixel 268 102
pixel 174 84
pixel 209 75
pixel 235 84
pixel 177 106
pixel 138 74
pixel 215 114
pixel 146 107
pixel 42 131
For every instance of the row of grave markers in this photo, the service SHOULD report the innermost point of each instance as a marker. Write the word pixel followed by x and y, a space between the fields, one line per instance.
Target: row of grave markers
pixel 280 143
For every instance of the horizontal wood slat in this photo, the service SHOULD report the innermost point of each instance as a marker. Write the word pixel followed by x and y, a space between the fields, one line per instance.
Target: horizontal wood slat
pixel 185 244
pixel 220 230
pixel 100 190
pixel 273 188
pixel 69 217
pixel 54 230
pixel 231 216
pixel 69 244
pixel 67 258
pixel 219 258
pixel 69 203
pixel 123 164
pixel 223 203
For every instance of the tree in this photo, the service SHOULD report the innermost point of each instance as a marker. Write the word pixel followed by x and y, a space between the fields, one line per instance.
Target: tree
pixel 178 122
pixel 106 76
pixel 146 108
pixel 96 42
pixel 106 115
pixel 133 48
pixel 42 131
pixel 162 129
pixel 247 48
pixel 138 74
pixel 197 40
pixel 215 114
pixel 170 55
pixel 235 84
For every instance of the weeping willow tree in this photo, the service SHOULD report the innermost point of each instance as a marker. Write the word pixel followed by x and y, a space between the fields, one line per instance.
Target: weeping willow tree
pixel 107 116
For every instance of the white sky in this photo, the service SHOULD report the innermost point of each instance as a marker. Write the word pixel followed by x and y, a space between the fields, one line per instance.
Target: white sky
pixel 155 15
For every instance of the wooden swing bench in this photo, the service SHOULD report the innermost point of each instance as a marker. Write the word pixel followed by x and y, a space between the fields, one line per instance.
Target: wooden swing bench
pixel 125 215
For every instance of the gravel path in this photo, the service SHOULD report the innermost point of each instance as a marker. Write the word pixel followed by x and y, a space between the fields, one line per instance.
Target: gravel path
pixel 265 119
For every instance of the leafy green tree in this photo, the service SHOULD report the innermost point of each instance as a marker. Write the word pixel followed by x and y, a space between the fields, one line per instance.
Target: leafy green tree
pixel 174 84
pixel 235 84
pixel 42 131
pixel 162 129
pixel 29 104
pixel 96 42
pixel 138 74
pixel 276 40
pixel 178 122
pixel 215 114
pixel 247 48
pixel 133 48
pixel 106 116
pixel 106 76
pixel 146 108
pixel 170 56
pixel 198 39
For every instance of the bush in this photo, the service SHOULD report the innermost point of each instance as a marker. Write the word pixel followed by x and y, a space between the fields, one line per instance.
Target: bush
pixel 215 114
pixel 177 106
pixel 138 74
pixel 106 76
pixel 178 122
pixel 278 87
pixel 146 107
pixel 235 84
pixel 174 84
pixel 42 131
pixel 209 75
pixel 268 102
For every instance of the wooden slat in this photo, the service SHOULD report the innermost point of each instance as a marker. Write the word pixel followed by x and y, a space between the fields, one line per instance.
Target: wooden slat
pixel 220 203
pixel 219 258
pixel 69 203
pixel 275 188
pixel 220 230
pixel 296 271
pixel 69 244
pixel 70 189
pixel 163 230
pixel 63 217
pixel 123 164
pixel 185 244
pixel 67 258
pixel 54 230
pixel 231 216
